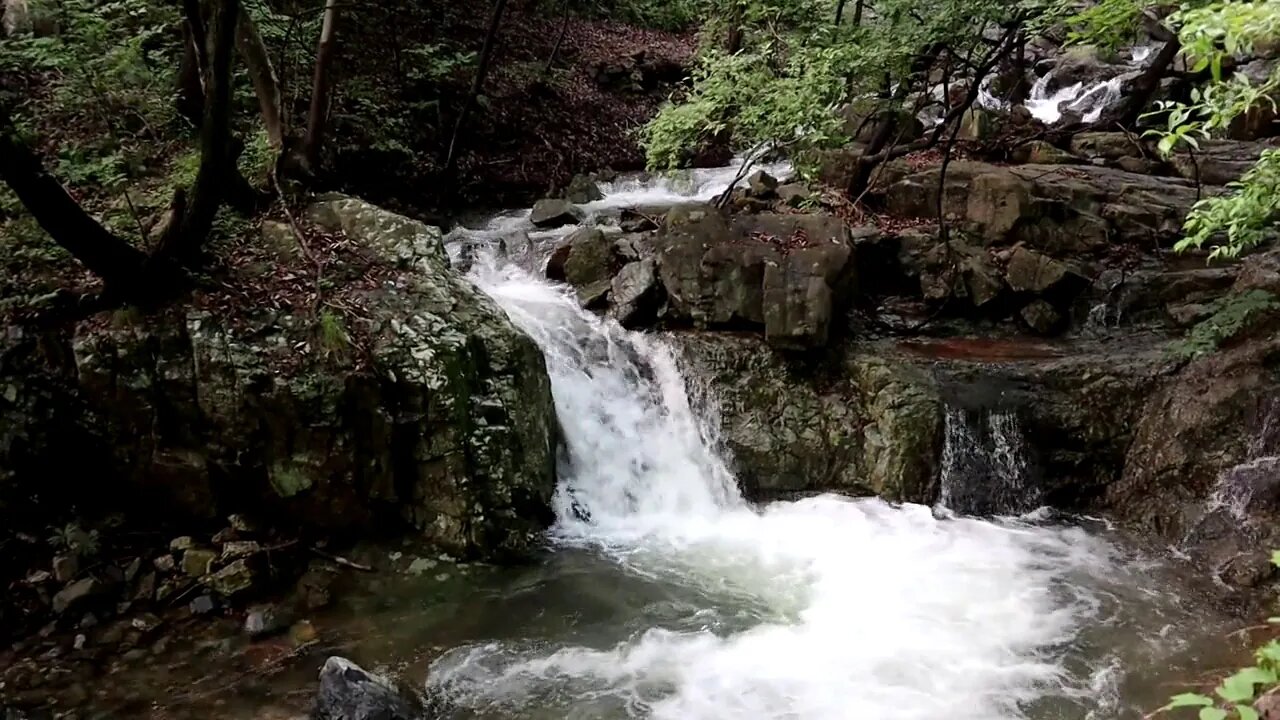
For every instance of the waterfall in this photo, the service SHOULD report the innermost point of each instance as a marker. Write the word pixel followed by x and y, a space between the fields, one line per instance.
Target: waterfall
pixel 1089 101
pixel 985 464
pixel 823 608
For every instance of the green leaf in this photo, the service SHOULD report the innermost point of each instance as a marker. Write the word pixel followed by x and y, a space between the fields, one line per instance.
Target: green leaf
pixel 1213 713
pixel 1246 712
pixel 1188 700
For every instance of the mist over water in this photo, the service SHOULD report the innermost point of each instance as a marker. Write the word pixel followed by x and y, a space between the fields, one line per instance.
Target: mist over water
pixel 823 608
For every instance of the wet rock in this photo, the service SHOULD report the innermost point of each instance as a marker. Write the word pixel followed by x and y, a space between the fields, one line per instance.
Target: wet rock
pixel 313 590
pixel 146 588
pixel 1041 317
pixel 132 569
pixel 77 594
pixel 1043 153
pixel 225 535
pixel 1030 271
pixel 762 185
pixel 583 190
pixel 202 605
pixel 1218 162
pixel 865 424
pixel 714 272
pixel 239 549
pixel 198 562
pixel 1206 430
pixel 240 523
pixel 1060 210
pixel 634 294
pixel 303 632
pixel 446 388
pixel 588 264
pixel 800 295
pixel 553 213
pixel 634 220
pixel 65 568
pixel 794 194
pixel 348 692
pixel 232 579
pixel 264 620
pixel 181 544
pixel 165 563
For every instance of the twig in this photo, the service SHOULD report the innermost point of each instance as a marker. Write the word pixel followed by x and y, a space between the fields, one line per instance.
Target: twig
pixel 341 560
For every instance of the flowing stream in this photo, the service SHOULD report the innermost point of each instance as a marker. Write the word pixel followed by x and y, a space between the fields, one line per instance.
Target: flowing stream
pixel 667 595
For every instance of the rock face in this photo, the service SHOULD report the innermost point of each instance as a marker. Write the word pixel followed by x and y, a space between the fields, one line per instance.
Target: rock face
pixel 445 426
pixel 1202 469
pixel 790 274
pixel 1056 209
pixel 856 424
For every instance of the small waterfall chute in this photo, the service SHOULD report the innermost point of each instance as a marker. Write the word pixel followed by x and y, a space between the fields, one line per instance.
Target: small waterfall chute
pixel 986 464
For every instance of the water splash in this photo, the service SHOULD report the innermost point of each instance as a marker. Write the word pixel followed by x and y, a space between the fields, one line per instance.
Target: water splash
pixel 1088 101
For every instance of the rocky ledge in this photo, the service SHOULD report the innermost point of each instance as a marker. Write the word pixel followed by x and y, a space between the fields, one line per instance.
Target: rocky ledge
pixel 438 420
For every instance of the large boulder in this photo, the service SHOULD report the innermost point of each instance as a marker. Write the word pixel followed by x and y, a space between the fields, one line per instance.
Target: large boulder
pixel 553 213
pixel 441 423
pixel 1058 209
pixel 790 274
pixel 859 424
pixel 587 260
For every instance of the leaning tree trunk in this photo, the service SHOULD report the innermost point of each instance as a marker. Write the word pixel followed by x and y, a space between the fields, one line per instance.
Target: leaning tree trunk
pixel 266 84
pixel 477 84
pixel 321 85
pixel 216 168
pixel 118 263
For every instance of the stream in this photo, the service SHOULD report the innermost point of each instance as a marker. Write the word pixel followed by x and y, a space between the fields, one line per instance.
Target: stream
pixel 666 595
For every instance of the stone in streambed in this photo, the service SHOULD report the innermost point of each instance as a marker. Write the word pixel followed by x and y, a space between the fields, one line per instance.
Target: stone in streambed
pixel 348 692
pixel 553 213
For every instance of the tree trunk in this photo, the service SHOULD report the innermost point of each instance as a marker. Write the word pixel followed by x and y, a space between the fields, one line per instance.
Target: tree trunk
pixel 840 12
pixel 857 12
pixel 117 262
pixel 266 85
pixel 477 84
pixel 733 41
pixel 564 29
pixel 216 169
pixel 190 95
pixel 321 84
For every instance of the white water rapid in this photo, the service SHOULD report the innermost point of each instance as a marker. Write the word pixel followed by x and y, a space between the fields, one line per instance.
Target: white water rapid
pixel 821 609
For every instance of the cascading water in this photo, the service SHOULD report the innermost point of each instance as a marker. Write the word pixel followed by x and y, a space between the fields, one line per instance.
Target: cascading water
pixel 1089 101
pixel 818 609
pixel 985 465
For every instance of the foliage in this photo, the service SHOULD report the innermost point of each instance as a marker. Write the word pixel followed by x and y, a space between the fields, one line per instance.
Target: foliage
pixel 1231 315
pixel 1107 24
pixel 75 539
pixel 660 14
pixel 1238 221
pixel 795 67
pixel 1237 692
